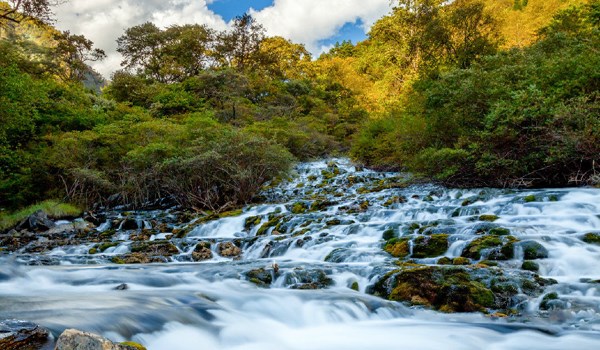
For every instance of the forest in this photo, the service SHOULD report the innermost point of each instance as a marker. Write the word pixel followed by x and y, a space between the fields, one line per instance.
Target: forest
pixel 468 93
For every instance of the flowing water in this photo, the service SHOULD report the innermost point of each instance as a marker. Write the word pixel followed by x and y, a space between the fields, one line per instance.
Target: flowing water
pixel 322 251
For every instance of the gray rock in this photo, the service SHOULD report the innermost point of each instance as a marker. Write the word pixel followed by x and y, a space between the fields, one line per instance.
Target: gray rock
pixel 22 335
pixel 37 221
pixel 72 339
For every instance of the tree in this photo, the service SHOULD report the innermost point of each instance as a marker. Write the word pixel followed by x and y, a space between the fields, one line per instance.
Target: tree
pixel 19 10
pixel 75 51
pixel 283 59
pixel 238 47
pixel 169 55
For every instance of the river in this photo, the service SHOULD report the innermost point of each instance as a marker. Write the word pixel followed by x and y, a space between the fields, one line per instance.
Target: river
pixel 322 257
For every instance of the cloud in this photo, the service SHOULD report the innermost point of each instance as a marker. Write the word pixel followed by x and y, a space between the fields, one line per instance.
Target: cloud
pixel 310 21
pixel 305 21
pixel 103 21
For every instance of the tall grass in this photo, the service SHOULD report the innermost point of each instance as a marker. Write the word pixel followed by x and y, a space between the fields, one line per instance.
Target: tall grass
pixel 52 208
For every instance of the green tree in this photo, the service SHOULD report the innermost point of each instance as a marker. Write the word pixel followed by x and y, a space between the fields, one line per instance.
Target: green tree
pixel 238 47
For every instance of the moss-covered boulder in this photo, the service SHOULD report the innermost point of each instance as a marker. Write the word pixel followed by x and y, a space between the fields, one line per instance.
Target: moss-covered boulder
pixel 251 222
pixel 429 246
pixel 476 247
pixel 261 277
pixel 461 261
pixel 444 261
pixel 529 265
pixel 448 289
pixel 533 250
pixel 490 246
pixel 488 218
pixel 397 247
pixel 299 208
pixel 591 238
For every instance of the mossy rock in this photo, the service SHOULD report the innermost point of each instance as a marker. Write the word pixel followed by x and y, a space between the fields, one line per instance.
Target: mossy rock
pixel 533 250
pixel 260 277
pixel 92 251
pixel 591 238
pixel 488 218
pixel 430 246
pixel 530 198
pixel 274 220
pixel 448 289
pixel 389 234
pixel 104 246
pixel 117 260
pixel 333 222
pixel 444 261
pixel 548 301
pixel 299 208
pixel 530 266
pixel 354 286
pixel 499 231
pixel 461 261
pixel 251 222
pixel 474 249
pixel 397 247
pixel 134 345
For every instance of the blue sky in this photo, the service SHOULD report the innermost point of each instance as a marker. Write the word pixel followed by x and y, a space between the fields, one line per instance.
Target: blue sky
pixel 318 24
pixel 228 9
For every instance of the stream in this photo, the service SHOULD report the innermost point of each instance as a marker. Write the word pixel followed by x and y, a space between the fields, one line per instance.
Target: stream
pixel 299 273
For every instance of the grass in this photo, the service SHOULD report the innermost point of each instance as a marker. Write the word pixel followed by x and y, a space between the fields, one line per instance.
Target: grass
pixel 52 208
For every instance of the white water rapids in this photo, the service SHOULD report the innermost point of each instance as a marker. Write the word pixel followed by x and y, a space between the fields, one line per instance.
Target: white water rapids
pixel 183 305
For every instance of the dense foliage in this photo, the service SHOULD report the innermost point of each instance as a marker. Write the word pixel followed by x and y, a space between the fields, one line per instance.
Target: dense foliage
pixel 445 90
pixel 520 117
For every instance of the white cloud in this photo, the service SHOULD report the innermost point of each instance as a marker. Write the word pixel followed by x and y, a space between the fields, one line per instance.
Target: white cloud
pixel 309 21
pixel 103 21
pixel 302 21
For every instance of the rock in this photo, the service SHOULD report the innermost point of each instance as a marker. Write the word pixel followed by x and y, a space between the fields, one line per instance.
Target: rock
pixel 397 247
pixel 202 252
pixel 492 247
pixel 229 250
pixel 37 221
pixel 457 288
pixel 260 277
pixel 72 339
pixel 129 224
pixel 22 335
pixel 307 279
pixel 429 246
pixel 530 266
pixel 122 286
pixel 488 218
pixel 156 248
pixel 591 238
pixel 533 250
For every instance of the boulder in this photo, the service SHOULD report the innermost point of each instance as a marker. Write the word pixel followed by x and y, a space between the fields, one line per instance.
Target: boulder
pixel 202 252
pixel 72 339
pixel 22 335
pixel 37 221
pixel 229 250
pixel 533 250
